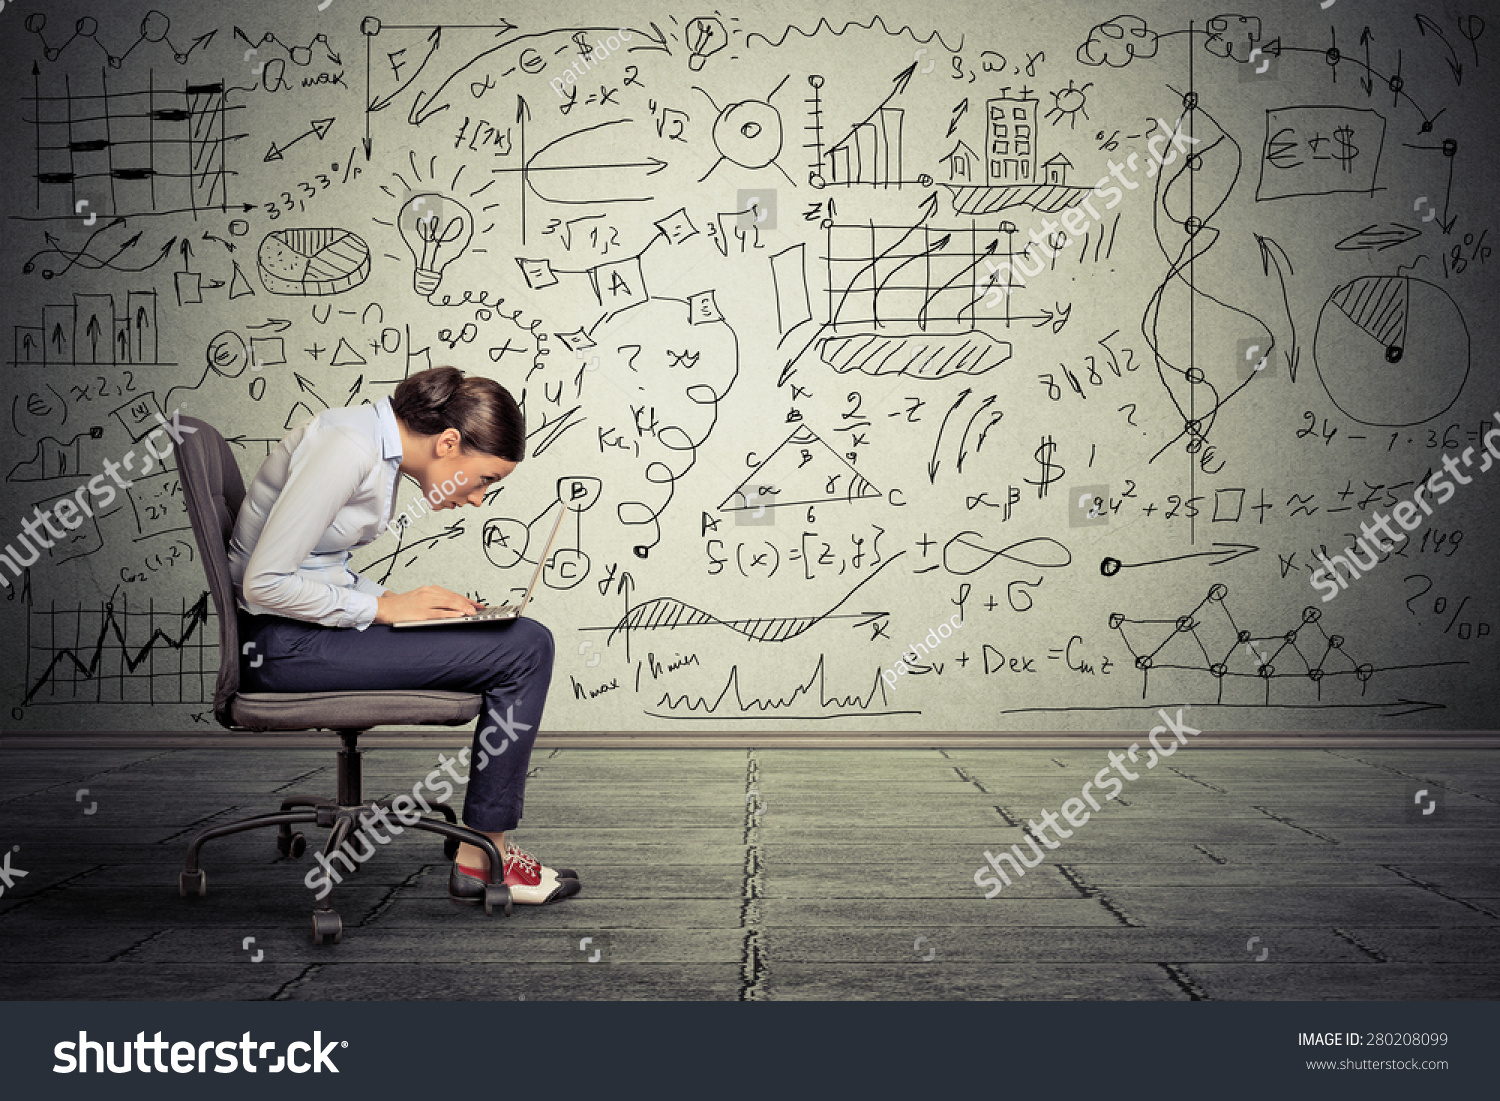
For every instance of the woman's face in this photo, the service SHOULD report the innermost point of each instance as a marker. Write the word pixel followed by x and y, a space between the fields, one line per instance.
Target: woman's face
pixel 455 477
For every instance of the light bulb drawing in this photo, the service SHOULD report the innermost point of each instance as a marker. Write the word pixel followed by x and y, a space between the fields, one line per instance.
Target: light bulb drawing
pixel 705 36
pixel 437 230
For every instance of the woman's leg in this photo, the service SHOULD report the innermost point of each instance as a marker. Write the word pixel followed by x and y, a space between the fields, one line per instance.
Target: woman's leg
pixel 509 663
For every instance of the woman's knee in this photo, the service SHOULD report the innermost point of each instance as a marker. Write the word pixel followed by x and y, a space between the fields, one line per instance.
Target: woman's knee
pixel 534 639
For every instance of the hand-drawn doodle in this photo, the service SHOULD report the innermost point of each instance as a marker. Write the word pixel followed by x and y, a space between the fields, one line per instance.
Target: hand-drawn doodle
pixel 159 150
pixel 803 470
pixel 1208 640
pixel 154 28
pixel 609 219
pixel 1391 350
pixel 312 261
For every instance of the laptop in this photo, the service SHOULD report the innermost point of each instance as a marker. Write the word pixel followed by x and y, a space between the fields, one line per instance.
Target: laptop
pixel 503 611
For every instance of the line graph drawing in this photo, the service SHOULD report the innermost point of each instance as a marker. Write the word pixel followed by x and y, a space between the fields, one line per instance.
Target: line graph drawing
pixel 813 689
pixel 670 613
pixel 1207 639
pixel 154 28
pixel 84 654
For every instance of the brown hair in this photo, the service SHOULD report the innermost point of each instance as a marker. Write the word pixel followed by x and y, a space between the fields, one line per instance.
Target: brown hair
pixel 486 416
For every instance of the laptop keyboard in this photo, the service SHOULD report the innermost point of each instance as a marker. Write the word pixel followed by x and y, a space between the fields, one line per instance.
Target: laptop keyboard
pixel 505 611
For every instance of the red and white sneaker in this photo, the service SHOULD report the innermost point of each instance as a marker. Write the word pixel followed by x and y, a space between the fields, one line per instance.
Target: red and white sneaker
pixel 530 883
pixel 515 853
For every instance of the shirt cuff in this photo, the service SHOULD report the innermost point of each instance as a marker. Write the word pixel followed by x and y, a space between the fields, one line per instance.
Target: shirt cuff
pixel 362 609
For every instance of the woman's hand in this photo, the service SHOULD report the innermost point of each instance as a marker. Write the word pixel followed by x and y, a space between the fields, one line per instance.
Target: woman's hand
pixel 428 602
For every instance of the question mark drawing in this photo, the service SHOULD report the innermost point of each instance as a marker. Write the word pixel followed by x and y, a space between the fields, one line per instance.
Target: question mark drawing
pixel 583 946
pixel 917 947
pixel 1264 952
pixel 259 952
pixel 93 806
pixel 1250 354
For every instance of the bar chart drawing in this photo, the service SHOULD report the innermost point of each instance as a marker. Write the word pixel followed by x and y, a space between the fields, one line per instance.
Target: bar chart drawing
pixel 154 150
pixel 87 333
pixel 871 154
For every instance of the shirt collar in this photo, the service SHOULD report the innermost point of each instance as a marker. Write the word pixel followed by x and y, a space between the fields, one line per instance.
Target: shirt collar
pixel 390 431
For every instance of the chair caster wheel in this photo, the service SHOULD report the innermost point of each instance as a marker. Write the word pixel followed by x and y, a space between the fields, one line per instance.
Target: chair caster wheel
pixel 293 845
pixel 450 847
pixel 192 883
pixel 496 895
pixel 326 923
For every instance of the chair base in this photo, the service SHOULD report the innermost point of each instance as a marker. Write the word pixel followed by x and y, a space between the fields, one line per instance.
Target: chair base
pixel 341 816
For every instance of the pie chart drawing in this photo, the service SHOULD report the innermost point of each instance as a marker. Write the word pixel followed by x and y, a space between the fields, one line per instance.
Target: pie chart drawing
pixel 1391 351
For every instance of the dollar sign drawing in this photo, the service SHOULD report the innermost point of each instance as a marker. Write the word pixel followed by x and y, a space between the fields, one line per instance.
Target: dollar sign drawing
pixel 1347 149
pixel 1043 455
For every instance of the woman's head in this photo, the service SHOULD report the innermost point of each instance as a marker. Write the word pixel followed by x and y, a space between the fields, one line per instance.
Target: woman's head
pixel 460 434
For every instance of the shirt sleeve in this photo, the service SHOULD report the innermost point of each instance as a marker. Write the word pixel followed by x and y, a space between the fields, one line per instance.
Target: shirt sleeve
pixel 365 585
pixel 323 474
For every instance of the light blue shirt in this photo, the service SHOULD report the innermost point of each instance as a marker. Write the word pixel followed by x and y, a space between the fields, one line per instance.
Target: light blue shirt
pixel 329 487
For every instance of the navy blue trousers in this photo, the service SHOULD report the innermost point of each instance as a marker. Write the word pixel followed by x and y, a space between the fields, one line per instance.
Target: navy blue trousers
pixel 510 663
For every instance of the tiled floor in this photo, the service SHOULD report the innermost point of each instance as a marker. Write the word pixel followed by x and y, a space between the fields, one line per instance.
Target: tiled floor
pixel 777 874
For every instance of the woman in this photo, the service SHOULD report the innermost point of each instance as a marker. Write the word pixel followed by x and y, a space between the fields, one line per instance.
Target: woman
pixel 316 625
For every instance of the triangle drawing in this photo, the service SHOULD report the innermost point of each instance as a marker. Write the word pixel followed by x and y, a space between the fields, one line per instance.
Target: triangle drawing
pixel 803 470
pixel 239 286
pixel 345 355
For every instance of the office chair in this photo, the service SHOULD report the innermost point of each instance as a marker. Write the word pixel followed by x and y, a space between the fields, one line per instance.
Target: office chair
pixel 214 492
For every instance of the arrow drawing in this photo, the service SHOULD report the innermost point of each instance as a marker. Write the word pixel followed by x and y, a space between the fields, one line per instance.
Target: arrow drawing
pixel 1273 253
pixel 1227 553
pixel 1378 238
pixel 320 127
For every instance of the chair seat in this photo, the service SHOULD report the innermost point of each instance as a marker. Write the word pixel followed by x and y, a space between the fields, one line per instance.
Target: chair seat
pixel 353 710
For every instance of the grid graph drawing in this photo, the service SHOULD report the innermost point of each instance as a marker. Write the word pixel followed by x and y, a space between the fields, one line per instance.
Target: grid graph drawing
pixel 154 150
pixel 113 652
pixel 914 277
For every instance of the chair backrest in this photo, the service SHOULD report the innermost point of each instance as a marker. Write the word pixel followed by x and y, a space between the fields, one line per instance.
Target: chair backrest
pixel 214 490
